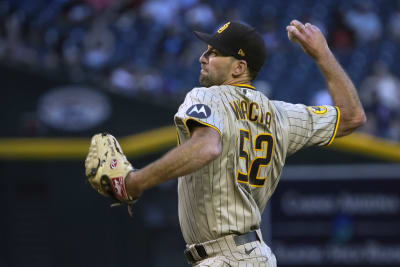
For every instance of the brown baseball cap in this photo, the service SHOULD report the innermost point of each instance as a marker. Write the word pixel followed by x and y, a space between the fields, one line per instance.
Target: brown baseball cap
pixel 239 40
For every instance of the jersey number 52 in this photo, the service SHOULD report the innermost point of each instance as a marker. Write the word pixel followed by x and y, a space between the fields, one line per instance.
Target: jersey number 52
pixel 253 166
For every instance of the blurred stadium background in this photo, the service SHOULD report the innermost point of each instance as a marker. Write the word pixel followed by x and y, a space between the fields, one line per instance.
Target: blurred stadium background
pixel 72 68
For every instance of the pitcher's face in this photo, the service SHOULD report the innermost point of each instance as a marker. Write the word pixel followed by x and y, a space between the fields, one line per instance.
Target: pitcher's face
pixel 215 67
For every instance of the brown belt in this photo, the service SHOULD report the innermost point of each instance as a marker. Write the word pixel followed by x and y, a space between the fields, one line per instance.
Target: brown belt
pixel 239 240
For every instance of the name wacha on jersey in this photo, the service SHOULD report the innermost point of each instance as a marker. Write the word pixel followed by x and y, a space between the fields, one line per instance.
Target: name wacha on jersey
pixel 250 111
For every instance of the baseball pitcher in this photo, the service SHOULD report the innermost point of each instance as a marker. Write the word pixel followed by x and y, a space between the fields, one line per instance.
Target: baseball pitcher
pixel 233 142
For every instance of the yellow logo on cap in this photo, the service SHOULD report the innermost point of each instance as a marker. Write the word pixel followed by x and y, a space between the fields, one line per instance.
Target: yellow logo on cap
pixel 224 27
pixel 241 53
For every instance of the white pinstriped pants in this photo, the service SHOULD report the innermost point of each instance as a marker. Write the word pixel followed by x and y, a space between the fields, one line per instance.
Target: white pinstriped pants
pixel 224 252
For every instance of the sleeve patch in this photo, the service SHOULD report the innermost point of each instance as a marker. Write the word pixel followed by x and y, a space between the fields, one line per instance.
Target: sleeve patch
pixel 199 111
pixel 320 110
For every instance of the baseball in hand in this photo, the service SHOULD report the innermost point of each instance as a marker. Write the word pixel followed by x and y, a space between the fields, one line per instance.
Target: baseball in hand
pixel 291 37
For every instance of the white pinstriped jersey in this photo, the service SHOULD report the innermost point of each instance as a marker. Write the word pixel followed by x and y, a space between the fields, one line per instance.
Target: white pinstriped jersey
pixel 229 195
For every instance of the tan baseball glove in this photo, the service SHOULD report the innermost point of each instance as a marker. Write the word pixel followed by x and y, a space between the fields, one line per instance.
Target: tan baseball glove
pixel 106 168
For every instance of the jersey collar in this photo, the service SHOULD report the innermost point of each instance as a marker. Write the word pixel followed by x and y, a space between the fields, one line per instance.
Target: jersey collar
pixel 244 85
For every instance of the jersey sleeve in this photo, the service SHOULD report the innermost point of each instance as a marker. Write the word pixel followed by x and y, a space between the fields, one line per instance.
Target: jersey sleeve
pixel 202 106
pixel 309 125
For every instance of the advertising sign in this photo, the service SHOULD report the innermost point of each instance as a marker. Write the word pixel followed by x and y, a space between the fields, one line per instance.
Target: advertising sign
pixel 337 217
